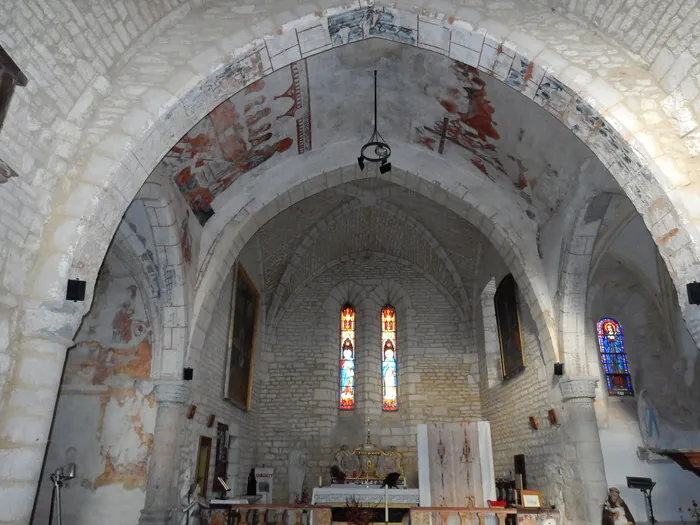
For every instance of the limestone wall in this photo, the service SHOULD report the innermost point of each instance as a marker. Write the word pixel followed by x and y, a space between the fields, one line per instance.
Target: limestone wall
pixel 104 423
pixel 208 390
pixel 299 375
pixel 509 404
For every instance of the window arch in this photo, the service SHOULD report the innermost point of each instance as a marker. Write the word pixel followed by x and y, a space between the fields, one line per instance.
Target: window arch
pixel 390 381
pixel 506 305
pixel 347 358
pixel 614 358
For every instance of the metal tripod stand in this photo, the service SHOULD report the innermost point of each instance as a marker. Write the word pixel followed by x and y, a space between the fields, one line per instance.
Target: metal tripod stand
pixel 58 478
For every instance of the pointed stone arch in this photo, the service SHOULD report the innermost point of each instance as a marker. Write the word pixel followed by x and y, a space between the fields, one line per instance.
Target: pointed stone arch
pixel 284 288
pixel 651 166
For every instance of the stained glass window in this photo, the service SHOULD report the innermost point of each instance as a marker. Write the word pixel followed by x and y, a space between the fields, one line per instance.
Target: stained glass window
pixel 347 358
pixel 389 378
pixel 614 358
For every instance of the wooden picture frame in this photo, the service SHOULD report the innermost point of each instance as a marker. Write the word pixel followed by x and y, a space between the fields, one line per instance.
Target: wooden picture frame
pixel 245 302
pixel 203 459
pixel 531 499
pixel 510 339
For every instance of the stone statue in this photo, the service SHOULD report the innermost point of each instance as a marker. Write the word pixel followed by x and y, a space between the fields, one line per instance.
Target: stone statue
pixel 615 511
pixel 296 467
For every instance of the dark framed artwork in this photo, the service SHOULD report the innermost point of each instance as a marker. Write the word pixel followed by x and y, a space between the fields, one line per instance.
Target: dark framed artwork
pixel 241 341
pixel 509 336
pixel 221 461
pixel 203 458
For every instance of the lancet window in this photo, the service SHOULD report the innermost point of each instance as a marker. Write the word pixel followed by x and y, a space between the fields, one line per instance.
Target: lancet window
pixel 347 358
pixel 389 376
pixel 614 358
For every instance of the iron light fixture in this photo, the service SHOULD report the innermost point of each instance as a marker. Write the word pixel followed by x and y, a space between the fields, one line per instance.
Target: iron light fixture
pixel 375 150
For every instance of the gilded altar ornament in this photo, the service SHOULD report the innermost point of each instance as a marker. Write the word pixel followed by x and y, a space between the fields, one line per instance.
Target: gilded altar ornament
pixel 369 463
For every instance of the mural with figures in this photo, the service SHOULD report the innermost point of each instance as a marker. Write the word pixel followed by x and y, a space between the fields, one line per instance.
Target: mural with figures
pixel 266 119
pixel 446 108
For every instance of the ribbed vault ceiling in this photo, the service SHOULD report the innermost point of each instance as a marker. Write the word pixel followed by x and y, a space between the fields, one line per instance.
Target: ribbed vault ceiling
pixel 370 216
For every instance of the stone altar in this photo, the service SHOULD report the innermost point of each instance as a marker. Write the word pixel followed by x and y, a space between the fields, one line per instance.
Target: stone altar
pixel 339 495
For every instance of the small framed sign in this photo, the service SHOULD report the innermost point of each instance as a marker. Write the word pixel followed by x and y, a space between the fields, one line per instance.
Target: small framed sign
pixel 531 498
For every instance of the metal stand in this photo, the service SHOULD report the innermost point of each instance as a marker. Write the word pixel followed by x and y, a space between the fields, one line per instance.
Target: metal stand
pixel 58 478
pixel 650 509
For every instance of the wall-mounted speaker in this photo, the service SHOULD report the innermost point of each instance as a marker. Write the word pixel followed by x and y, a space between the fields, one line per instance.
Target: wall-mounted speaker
pixel 558 369
pixel 693 293
pixel 187 374
pixel 75 291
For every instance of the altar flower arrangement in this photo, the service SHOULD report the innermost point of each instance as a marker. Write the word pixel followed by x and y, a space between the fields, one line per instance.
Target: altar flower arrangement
pixel 357 514
pixel 302 499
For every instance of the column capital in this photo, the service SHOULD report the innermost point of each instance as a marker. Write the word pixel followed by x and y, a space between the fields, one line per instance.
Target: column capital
pixel 172 392
pixel 578 387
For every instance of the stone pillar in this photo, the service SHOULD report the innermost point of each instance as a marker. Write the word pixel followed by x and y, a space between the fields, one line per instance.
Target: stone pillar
pixel 25 421
pixel 584 481
pixel 161 489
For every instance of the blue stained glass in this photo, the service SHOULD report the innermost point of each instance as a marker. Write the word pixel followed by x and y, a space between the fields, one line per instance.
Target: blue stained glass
pixel 613 357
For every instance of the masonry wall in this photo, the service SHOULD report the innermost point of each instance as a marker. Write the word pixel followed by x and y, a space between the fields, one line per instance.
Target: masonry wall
pixel 507 405
pixel 208 395
pixel 104 422
pixel 299 386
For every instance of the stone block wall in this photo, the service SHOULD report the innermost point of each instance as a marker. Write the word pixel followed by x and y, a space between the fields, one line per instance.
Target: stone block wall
pixel 209 372
pixel 508 404
pixel 436 357
pixel 104 422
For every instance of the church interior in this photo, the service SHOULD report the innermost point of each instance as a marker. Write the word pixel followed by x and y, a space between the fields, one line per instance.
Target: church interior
pixel 308 246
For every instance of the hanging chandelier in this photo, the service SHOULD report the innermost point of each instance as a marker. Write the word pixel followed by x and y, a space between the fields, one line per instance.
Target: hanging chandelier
pixel 375 150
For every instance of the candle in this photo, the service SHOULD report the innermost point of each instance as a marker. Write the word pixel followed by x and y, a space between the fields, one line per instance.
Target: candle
pixel 320 480
pixel 386 503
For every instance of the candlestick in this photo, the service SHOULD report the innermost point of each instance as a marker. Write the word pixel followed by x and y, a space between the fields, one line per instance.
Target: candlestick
pixel 386 503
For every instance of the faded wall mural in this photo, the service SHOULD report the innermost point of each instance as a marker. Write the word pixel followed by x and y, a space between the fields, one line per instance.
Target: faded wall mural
pixel 267 118
pixel 104 423
pixel 426 99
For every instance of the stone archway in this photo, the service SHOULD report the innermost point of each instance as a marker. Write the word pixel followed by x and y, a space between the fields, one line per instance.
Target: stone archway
pixel 523 264
pixel 111 167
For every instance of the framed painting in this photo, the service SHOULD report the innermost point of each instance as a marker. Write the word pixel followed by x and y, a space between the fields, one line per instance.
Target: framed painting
pixel 508 323
pixel 241 341
pixel 531 498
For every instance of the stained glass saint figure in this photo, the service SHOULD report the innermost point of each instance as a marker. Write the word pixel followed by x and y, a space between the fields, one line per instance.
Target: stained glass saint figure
pixel 389 377
pixel 347 358
pixel 614 358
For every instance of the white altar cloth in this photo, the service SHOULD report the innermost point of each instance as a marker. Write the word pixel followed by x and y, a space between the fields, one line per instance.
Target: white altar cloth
pixel 340 494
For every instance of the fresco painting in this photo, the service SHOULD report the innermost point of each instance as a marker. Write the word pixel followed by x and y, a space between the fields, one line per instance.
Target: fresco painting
pixel 364 22
pixel 186 240
pixel 470 123
pixel 552 96
pixel 524 76
pixel 239 135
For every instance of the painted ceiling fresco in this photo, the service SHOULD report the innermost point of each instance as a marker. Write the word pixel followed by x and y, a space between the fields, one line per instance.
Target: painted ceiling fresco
pixel 425 99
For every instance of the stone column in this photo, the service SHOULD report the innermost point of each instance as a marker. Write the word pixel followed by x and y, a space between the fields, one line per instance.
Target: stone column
pixel 28 400
pixel 584 479
pixel 161 489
